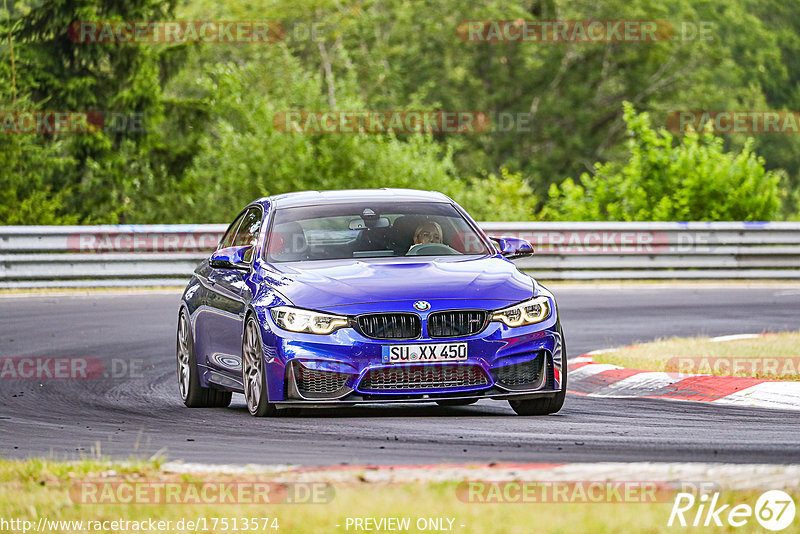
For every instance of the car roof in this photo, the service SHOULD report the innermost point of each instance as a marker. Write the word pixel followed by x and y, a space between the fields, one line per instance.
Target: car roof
pixel 315 198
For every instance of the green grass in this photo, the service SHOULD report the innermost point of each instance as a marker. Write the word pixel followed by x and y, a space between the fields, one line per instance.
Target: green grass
pixel 34 488
pixel 774 357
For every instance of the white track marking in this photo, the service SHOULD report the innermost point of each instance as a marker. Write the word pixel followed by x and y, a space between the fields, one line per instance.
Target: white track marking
pixel 734 337
pixel 784 395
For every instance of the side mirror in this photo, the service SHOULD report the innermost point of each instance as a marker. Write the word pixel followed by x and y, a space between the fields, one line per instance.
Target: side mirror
pixel 231 258
pixel 513 247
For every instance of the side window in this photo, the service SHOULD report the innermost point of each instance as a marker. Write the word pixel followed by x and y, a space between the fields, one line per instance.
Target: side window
pixel 248 230
pixel 227 239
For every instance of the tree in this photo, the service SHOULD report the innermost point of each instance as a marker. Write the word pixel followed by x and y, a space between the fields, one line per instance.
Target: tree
pixel 113 165
pixel 28 169
pixel 242 156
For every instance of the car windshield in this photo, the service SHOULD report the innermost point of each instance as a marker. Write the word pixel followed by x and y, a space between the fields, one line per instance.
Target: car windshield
pixel 370 230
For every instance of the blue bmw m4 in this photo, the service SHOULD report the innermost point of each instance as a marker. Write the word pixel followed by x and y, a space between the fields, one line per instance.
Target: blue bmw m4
pixel 335 298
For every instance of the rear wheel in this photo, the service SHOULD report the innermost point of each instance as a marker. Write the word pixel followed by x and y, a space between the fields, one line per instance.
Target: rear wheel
pixel 547 405
pixel 192 394
pixel 253 375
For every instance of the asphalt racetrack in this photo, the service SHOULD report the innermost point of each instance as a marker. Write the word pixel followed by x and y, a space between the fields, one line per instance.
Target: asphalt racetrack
pixel 143 415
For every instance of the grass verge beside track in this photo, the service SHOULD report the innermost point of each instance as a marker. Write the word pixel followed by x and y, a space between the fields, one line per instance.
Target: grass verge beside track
pixel 34 489
pixel 772 357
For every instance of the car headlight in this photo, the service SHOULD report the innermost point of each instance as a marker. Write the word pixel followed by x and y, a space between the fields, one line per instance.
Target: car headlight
pixel 531 311
pixel 298 320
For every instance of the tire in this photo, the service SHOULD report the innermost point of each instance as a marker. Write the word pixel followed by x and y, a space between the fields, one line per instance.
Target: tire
pixel 192 394
pixel 253 374
pixel 546 405
pixel 457 402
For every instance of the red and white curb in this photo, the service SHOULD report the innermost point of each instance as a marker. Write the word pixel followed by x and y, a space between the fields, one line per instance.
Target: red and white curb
pixel 603 380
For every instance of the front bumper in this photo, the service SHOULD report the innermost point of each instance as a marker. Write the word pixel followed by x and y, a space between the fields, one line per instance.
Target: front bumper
pixel 548 389
pixel 346 368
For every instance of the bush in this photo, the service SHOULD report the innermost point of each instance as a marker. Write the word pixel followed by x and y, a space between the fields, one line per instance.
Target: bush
pixel 691 181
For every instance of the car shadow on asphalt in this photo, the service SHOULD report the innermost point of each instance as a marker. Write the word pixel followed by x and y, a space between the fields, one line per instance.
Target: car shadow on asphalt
pixel 482 409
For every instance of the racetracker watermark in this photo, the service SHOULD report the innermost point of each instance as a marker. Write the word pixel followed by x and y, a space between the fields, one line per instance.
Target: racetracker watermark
pixel 205 492
pixel 197 524
pixel 763 367
pixel 583 31
pixel 576 491
pixel 381 122
pixel 785 122
pixel 143 242
pixel 612 241
pixel 176 31
pixel 69 368
pixel 563 31
pixel 72 122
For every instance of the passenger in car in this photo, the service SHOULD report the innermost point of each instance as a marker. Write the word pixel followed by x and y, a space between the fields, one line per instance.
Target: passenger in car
pixel 427 232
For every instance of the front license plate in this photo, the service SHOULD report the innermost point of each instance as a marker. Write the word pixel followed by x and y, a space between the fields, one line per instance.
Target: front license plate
pixel 438 352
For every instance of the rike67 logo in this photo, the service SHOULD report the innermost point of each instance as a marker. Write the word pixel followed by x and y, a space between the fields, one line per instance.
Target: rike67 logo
pixel 774 510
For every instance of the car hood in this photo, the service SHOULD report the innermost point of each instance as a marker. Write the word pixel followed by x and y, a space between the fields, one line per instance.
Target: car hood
pixel 325 285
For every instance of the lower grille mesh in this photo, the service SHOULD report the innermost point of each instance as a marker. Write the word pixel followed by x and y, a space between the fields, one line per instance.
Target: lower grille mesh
pixel 421 377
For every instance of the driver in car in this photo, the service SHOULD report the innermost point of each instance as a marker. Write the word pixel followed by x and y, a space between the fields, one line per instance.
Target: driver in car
pixel 427 232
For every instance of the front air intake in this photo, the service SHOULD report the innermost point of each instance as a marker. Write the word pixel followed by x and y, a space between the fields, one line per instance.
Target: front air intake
pixel 525 375
pixel 318 384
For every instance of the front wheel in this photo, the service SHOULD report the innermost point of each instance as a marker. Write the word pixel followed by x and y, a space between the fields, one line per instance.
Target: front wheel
pixel 192 394
pixel 546 405
pixel 253 374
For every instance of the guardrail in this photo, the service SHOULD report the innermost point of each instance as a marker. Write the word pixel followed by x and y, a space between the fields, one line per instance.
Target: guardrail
pixel 165 255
